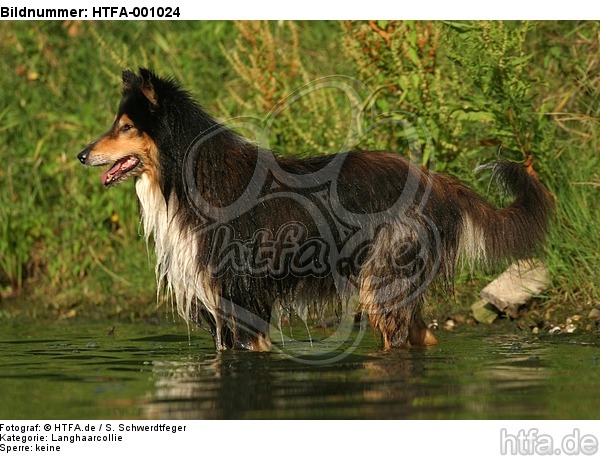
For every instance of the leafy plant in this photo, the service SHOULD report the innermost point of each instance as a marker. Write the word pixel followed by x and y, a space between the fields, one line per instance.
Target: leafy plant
pixel 463 88
pixel 301 113
pixel 399 60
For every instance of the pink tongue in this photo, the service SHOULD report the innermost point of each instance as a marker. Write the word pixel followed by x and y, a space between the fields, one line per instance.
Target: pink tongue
pixel 120 167
pixel 108 174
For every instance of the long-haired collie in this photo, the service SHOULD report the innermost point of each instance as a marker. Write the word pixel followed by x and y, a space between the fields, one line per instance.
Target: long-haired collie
pixel 240 231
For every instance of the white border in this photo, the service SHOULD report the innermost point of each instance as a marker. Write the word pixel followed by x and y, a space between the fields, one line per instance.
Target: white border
pixel 353 9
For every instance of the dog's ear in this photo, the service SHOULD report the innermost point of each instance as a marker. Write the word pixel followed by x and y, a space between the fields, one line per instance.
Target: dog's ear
pixel 147 86
pixel 129 80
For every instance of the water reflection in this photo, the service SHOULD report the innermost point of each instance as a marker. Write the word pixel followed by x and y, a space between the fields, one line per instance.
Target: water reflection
pixel 79 372
pixel 424 383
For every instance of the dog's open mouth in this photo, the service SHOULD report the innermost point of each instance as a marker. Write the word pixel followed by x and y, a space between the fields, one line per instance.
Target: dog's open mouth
pixel 120 169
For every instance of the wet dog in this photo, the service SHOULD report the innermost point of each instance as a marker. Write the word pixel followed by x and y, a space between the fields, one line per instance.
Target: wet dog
pixel 239 230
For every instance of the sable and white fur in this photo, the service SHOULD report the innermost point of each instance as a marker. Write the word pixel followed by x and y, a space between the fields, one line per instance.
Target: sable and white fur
pixel 378 225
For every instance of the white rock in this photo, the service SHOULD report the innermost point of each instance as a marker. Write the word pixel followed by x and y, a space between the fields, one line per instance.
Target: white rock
pixel 517 285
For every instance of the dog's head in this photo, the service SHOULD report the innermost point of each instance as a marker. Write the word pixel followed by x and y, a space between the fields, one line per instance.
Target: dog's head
pixel 128 146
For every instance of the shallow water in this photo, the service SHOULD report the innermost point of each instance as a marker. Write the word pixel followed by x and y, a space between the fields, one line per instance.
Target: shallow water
pixel 83 371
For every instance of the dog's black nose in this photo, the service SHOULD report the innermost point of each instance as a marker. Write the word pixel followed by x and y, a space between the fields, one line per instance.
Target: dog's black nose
pixel 83 155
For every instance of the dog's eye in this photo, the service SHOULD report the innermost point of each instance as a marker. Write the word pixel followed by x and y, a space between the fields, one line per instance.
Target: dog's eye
pixel 126 127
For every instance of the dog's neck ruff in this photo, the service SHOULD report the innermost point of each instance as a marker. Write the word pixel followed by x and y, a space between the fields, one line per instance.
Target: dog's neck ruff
pixel 177 270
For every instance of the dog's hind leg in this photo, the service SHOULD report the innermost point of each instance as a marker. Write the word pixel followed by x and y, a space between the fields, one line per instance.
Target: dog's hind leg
pixel 419 334
pixel 398 319
pixel 400 323
pixel 393 322
pixel 391 293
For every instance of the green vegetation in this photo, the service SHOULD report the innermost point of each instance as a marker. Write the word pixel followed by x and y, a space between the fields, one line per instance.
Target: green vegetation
pixel 67 243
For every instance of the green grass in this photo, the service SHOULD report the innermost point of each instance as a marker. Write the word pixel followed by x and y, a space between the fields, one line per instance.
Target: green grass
pixel 65 240
pixel 74 248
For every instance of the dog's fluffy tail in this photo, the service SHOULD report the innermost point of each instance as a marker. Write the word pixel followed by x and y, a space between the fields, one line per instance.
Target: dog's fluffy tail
pixel 489 235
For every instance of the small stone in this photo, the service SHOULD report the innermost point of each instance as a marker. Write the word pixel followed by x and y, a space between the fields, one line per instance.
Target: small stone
pixel 535 330
pixel 570 328
pixel 556 330
pixel 594 313
pixel 433 325
pixel 484 312
pixel 458 318
pixel 449 324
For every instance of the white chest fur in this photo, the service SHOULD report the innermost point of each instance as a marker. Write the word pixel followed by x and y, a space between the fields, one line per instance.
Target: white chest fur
pixel 177 267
